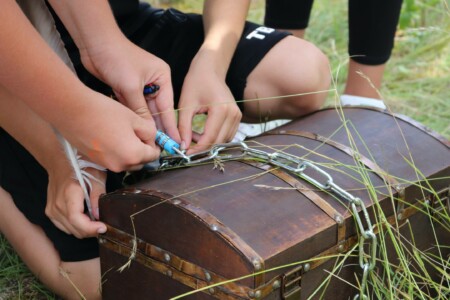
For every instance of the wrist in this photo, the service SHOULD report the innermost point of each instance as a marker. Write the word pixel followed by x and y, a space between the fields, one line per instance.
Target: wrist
pixel 210 61
pixel 97 54
pixel 56 163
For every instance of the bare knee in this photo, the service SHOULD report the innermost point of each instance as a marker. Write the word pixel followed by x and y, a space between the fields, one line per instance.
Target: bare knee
pixel 296 74
pixel 70 280
pixel 81 279
pixel 316 81
pixel 308 79
pixel 5 202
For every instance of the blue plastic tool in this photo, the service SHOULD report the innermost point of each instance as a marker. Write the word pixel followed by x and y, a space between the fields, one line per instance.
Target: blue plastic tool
pixel 162 139
pixel 166 143
pixel 150 89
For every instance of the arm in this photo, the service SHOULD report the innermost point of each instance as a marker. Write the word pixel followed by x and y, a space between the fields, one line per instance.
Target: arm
pixel 110 56
pixel 65 200
pixel 223 24
pixel 32 72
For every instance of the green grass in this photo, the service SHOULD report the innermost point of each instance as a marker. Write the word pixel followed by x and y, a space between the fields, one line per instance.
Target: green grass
pixel 417 77
pixel 416 84
pixel 16 281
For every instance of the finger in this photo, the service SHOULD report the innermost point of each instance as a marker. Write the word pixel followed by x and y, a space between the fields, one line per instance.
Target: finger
pixel 223 136
pixel 147 154
pixel 155 114
pixel 134 99
pixel 230 125
pixel 203 143
pixel 235 120
pixel 165 106
pixel 148 151
pixel 217 123
pixel 145 130
pixel 98 188
pixel 214 128
pixel 82 225
pixel 56 207
pixel 196 136
pixel 143 155
pixel 225 131
pixel 185 117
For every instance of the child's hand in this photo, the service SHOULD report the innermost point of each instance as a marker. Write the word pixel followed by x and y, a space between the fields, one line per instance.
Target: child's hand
pixel 206 92
pixel 65 202
pixel 127 69
pixel 110 134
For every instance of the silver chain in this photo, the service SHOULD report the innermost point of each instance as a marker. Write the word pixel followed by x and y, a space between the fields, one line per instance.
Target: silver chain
pixel 298 167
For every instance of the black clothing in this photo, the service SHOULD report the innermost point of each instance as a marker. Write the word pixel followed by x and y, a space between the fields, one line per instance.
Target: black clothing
pixel 176 37
pixel 372 25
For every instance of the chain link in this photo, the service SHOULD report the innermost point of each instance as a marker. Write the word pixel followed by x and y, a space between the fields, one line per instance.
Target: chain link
pixel 298 167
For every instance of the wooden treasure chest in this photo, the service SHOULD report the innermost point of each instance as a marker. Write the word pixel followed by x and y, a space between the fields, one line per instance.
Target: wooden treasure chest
pixel 340 203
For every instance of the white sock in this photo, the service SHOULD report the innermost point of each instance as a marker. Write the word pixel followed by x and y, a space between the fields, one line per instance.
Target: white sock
pixel 362 101
pixel 249 130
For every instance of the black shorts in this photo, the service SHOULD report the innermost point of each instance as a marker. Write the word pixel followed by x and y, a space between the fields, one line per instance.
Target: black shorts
pixel 176 37
pixel 171 35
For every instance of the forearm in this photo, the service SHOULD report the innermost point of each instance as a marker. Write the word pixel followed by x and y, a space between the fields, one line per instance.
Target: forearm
pixel 91 25
pixel 31 131
pixel 89 22
pixel 65 206
pixel 223 24
pixel 31 71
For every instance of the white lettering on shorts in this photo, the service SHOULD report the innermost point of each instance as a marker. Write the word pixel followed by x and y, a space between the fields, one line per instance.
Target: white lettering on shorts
pixel 259 33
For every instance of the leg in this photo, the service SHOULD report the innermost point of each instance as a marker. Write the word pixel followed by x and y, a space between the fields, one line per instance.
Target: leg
pixel 38 253
pixel 281 73
pixel 364 80
pixel 372 26
pixel 288 15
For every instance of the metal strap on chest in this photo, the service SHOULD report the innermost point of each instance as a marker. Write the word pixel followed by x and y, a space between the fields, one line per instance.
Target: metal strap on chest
pixel 182 270
pixel 310 194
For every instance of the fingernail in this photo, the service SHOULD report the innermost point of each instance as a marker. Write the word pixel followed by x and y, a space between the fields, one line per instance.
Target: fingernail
pixel 101 230
pixel 183 145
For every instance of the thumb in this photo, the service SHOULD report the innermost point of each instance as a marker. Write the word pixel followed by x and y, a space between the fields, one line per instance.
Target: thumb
pixel 145 130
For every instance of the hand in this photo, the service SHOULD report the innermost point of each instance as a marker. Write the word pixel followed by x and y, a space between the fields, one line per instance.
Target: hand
pixel 127 69
pixel 110 134
pixel 65 202
pixel 204 91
